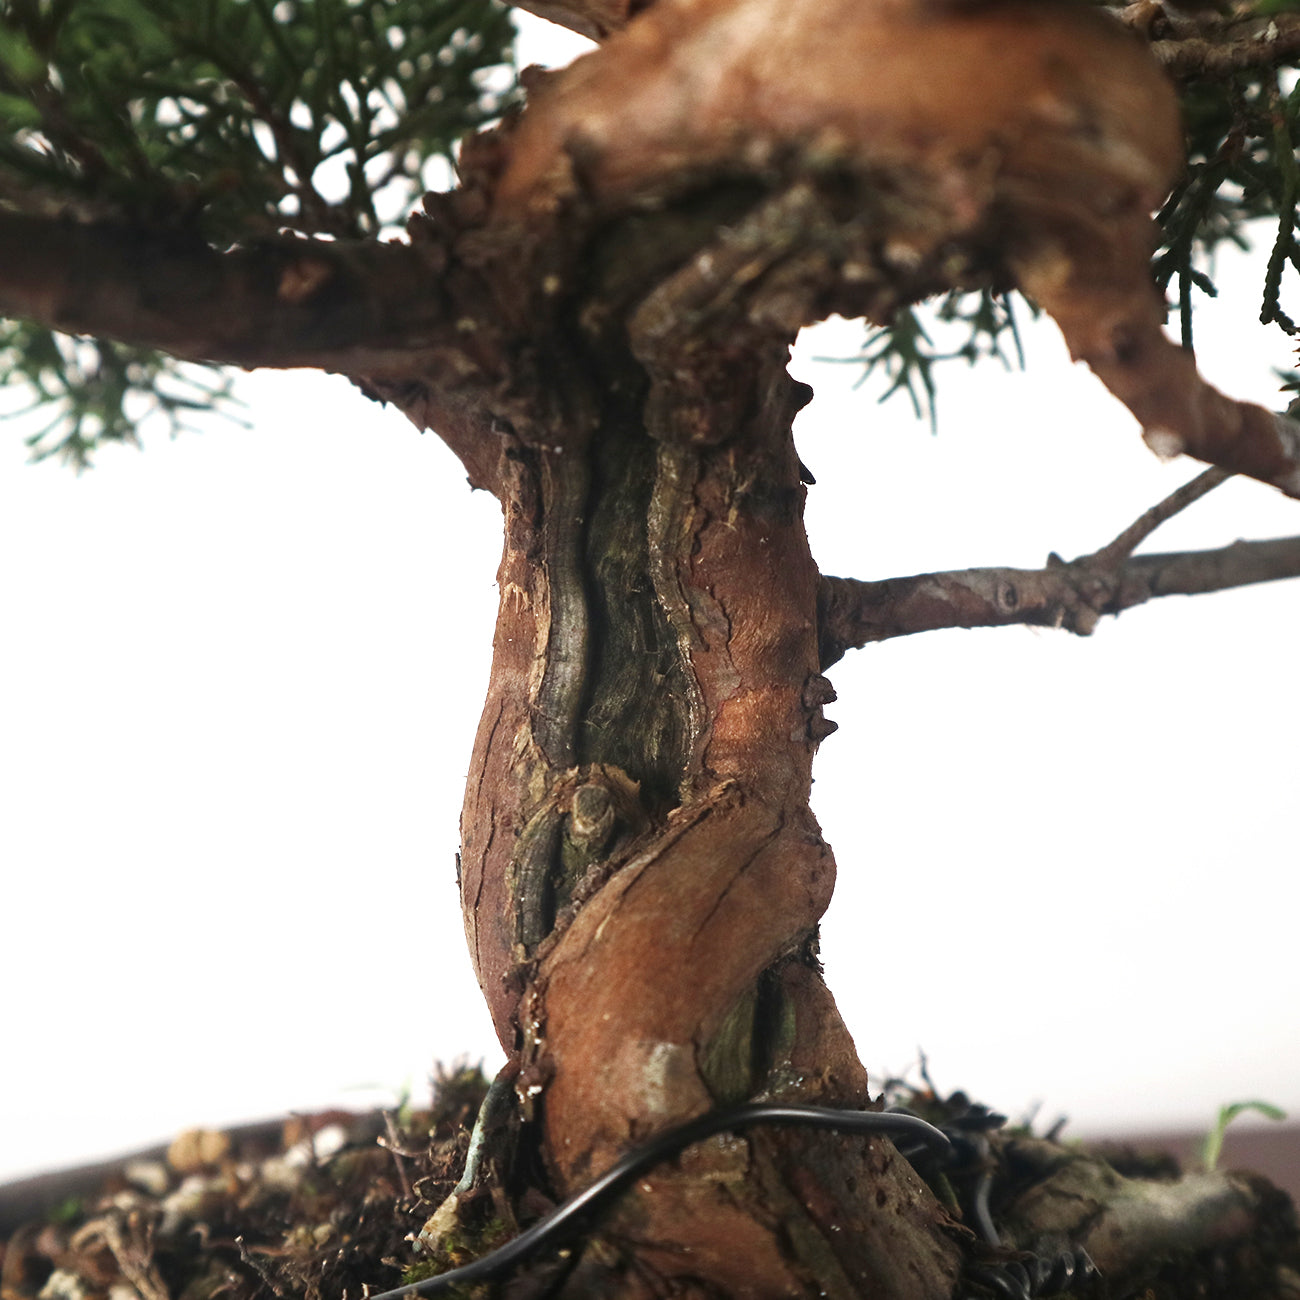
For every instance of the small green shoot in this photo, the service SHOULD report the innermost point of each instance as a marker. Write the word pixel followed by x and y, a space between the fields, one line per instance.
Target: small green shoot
pixel 67 1211
pixel 1213 1146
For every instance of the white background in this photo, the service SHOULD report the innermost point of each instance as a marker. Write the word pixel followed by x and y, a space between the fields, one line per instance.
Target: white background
pixel 240 673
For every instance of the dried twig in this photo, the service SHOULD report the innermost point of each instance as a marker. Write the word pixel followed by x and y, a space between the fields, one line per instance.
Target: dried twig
pixel 1118 550
pixel 1072 595
pixel 391 1141
pixel 258 1267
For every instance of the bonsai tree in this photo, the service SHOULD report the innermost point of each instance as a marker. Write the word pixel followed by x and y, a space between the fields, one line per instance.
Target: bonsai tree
pixel 596 316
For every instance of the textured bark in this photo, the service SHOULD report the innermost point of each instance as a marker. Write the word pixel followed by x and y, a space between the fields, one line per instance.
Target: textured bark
pixel 1072 596
pixel 1220 49
pixel 641 872
pixel 1154 1236
pixel 1042 129
pixel 598 322
pixel 343 306
pixel 940 145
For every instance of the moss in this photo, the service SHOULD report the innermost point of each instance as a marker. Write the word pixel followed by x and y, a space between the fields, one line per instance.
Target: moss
pixel 420 1270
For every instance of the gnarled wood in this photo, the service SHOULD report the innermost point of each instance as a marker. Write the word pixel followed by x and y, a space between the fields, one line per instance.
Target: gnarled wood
pixel 1042 132
pixel 674 969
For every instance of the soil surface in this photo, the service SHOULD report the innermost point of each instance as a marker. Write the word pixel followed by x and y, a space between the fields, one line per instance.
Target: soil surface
pixel 319 1206
pixel 333 1207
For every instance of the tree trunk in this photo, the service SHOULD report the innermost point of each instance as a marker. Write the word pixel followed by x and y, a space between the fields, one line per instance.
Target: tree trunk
pixel 597 320
pixel 641 874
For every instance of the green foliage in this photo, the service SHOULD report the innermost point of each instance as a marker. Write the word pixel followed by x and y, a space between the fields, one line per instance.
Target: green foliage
pixel 1213 1145
pixel 1242 135
pixel 235 118
pixel 244 117
pixel 981 324
pixel 93 392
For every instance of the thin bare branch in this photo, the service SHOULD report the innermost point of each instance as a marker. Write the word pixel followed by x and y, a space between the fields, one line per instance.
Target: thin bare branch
pixel 1149 520
pixel 1073 596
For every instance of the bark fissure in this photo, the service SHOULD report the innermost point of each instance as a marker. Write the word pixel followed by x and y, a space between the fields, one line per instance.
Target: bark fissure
pixel 742 865
pixel 641 695
pixel 666 872
pixel 565 477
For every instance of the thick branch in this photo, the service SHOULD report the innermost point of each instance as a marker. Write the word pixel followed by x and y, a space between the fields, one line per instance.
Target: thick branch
pixel 351 308
pixel 1073 596
pixel 971 177
pixel 387 315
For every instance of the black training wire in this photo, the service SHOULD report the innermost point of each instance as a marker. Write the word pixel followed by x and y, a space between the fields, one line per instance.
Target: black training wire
pixel 635 1163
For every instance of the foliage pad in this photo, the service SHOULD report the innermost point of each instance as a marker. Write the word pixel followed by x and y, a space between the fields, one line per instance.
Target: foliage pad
pixel 235 119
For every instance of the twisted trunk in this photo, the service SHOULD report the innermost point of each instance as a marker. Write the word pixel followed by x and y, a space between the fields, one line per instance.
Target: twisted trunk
pixel 641 874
